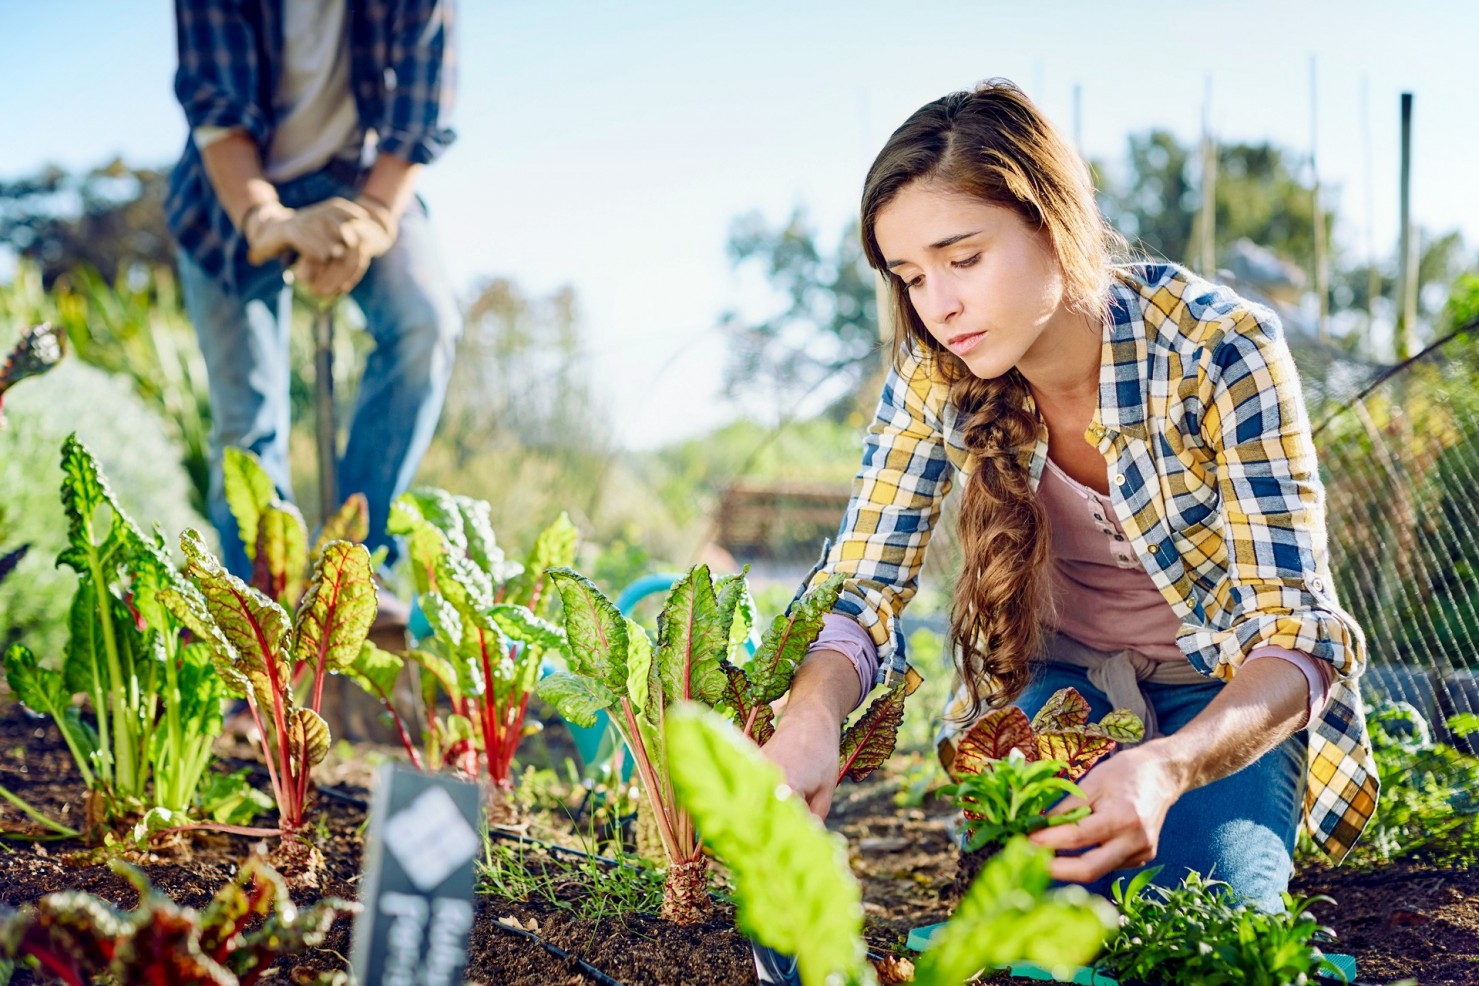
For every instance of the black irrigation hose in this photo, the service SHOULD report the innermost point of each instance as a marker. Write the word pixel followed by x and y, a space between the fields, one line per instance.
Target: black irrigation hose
pixel 552 848
pixel 585 967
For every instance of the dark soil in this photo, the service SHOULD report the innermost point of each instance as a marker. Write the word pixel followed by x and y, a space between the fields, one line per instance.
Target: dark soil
pixel 1404 921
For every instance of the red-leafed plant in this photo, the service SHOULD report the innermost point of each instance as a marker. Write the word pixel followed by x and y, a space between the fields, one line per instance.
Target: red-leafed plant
pixel 1010 770
pixel 80 939
pixel 256 649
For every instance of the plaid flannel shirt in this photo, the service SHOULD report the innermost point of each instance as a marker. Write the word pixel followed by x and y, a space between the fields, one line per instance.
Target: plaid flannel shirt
pixel 400 73
pixel 1213 477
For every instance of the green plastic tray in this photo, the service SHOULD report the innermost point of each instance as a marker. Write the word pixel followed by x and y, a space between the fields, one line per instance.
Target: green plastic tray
pixel 919 940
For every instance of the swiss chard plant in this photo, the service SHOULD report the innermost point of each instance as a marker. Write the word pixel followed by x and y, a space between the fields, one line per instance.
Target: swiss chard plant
pixel 615 667
pixel 39 348
pixel 79 939
pixel 273 533
pixel 255 647
pixel 490 633
pixel 154 697
pixel 794 892
pixel 1199 933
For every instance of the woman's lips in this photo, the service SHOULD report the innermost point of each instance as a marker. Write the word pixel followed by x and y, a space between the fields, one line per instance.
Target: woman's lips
pixel 962 344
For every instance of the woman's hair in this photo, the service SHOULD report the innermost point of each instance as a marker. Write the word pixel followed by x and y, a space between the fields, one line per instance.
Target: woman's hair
pixel 993 144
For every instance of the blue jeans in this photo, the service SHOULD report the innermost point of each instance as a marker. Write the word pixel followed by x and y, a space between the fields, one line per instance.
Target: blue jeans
pixel 411 313
pixel 1239 829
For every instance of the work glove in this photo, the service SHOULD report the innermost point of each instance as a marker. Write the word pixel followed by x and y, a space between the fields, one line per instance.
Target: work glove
pixel 272 229
pixel 365 228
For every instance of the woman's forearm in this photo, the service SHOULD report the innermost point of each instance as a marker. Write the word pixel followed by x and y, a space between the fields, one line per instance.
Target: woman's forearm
pixel 1263 705
pixel 826 685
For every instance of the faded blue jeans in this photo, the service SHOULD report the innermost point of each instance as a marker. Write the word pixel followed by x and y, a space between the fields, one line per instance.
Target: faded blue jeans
pixel 410 312
pixel 1239 829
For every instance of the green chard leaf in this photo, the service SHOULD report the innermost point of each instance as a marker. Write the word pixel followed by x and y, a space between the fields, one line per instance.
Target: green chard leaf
pixel 867 743
pixel 992 737
pixel 249 491
pixel 789 638
pixel 424 543
pixel 792 886
pixel 595 629
pixel 308 736
pixel 1121 725
pixel 256 627
pixel 39 689
pixel 186 603
pixel 466 587
pixel 351 522
pixel 518 624
pixel 553 548
pixel 375 670
pixel 642 683
pixel 439 509
pixel 733 593
pixel 1009 915
pixel 737 699
pixel 84 490
pixel 576 697
pixel 337 609
pixel 1064 709
pixel 692 641
pixel 282 554
pixel 482 546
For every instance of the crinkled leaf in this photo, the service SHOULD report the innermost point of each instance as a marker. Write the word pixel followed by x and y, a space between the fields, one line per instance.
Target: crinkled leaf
pixel 459 729
pixel 351 522
pixel 482 547
pixel 595 629
pixel 733 593
pixel 1064 709
pixel 692 640
pixel 466 587
pixel 424 543
pixel 518 624
pixel 38 688
pixel 576 697
pixel 439 509
pixel 375 670
pixel 793 888
pixel 867 743
pixel 443 618
pixel 1078 750
pixel 337 609
pixel 84 657
pixel 84 490
pixel 1009 915
pixel 553 548
pixel 39 348
pixel 187 605
pixel 789 638
pixel 282 554
pixel 308 736
pixel 741 708
pixel 642 682
pixel 1121 725
pixel 152 571
pixel 437 668
pixel 75 933
pixel 996 734
pixel 249 491
pixel 256 627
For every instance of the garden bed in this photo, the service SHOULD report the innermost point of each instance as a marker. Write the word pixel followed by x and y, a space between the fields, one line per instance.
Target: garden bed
pixel 1401 921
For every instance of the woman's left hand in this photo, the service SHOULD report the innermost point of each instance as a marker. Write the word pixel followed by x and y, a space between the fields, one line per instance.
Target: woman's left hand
pixel 1128 796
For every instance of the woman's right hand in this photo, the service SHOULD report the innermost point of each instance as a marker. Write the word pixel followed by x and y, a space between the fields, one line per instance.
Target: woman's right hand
pixel 806 746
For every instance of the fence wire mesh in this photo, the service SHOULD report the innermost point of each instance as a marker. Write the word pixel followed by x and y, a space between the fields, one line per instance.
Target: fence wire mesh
pixel 1400 460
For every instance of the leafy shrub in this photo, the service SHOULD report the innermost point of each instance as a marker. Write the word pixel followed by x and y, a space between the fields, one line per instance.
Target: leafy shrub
pixel 130 444
pixel 1199 935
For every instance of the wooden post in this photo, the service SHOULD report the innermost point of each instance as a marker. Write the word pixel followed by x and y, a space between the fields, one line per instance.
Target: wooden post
pixel 1406 336
pixel 1322 263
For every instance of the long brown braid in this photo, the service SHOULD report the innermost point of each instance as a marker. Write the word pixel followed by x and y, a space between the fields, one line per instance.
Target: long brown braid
pixel 992 143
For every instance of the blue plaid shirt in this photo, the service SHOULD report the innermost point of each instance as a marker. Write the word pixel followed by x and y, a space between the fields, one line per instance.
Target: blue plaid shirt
pixel 400 72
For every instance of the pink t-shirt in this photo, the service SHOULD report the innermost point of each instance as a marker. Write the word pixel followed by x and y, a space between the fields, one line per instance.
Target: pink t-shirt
pixel 1102 595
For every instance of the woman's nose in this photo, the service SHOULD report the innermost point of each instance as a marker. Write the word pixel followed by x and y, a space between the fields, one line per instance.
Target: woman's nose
pixel 940 303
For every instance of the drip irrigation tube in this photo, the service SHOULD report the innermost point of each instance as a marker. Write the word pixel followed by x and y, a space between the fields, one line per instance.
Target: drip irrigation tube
pixel 585 967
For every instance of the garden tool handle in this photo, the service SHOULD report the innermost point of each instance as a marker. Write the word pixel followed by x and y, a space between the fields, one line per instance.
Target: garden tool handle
pixel 325 425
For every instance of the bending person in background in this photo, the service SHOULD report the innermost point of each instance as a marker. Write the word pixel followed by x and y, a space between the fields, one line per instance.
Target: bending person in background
pixel 1142 517
pixel 309 124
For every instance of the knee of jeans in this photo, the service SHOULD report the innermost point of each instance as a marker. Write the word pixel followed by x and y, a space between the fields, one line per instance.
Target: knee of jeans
pixel 427 339
pixel 1253 860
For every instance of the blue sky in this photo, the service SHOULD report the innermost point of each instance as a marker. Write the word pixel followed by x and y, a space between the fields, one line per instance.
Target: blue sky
pixel 608 146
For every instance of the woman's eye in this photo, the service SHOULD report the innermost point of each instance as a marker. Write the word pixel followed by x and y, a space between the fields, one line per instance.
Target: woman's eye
pixel 968 261
pixel 914 281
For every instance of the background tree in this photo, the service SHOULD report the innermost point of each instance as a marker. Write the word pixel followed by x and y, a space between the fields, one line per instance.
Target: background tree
pixel 109 219
pixel 824 334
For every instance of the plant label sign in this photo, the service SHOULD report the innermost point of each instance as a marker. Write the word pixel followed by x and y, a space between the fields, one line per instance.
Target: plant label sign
pixel 418 880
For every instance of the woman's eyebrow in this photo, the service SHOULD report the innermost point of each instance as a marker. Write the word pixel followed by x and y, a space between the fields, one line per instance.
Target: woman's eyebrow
pixel 939 245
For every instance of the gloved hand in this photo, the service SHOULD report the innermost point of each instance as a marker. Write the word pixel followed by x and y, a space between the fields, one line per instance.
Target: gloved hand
pixel 365 228
pixel 273 229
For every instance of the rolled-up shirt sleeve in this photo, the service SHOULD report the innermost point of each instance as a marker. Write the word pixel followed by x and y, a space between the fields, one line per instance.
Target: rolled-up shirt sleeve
pixel 1276 589
pixel 216 80
pixel 420 82
pixel 842 634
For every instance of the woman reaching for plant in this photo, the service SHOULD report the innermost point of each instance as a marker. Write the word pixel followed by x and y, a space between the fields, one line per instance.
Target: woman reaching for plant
pixel 1142 515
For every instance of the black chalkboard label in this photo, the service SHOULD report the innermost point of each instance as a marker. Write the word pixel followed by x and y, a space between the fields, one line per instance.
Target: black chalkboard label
pixel 417 887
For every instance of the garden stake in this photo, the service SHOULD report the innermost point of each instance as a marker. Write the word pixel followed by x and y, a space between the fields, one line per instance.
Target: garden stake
pixel 325 425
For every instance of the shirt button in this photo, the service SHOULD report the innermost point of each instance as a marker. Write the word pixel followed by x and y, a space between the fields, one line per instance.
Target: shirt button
pixel 1155 549
pixel 1317 585
pixel 1119 480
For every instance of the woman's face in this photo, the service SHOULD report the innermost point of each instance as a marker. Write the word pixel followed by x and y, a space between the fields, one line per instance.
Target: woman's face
pixel 984 284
